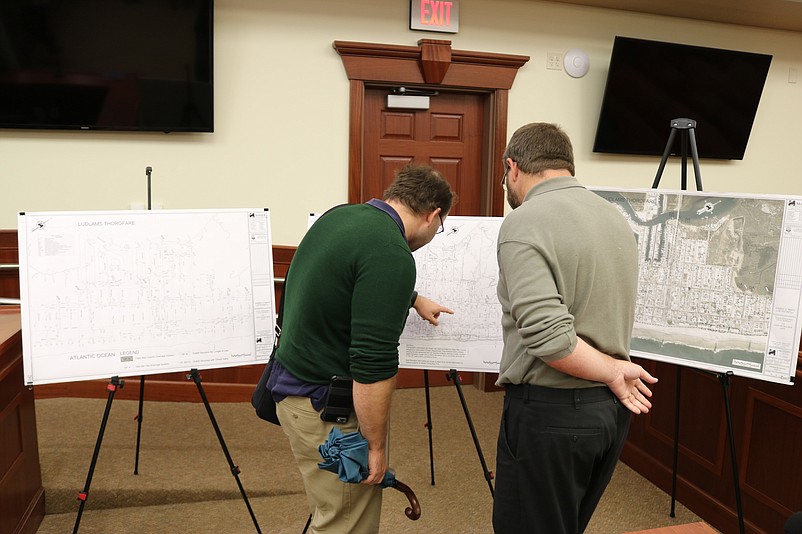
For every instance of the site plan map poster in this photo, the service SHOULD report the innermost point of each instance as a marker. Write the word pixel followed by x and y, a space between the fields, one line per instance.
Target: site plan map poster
pixel 720 282
pixel 459 270
pixel 122 293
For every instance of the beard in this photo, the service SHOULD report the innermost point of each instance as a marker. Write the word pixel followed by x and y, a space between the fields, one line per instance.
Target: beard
pixel 512 199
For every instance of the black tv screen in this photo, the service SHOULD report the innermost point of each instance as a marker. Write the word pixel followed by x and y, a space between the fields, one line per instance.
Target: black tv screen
pixel 650 83
pixel 107 65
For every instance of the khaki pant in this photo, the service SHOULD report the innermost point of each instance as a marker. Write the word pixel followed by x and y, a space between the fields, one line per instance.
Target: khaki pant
pixel 337 507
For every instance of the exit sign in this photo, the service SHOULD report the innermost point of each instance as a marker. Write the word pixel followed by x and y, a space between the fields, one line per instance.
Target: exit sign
pixel 434 15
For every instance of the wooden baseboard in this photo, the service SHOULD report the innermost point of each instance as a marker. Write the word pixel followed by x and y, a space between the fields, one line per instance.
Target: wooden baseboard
pixel 34 515
pixel 690 528
pixel 155 390
pixel 172 390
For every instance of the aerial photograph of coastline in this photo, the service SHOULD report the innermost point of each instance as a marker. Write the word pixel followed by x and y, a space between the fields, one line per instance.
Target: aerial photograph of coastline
pixel 707 274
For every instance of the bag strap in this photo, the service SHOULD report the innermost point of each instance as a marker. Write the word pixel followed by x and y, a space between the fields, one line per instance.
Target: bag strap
pixel 280 315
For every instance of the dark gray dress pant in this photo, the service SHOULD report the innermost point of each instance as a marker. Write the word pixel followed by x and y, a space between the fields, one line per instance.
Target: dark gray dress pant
pixel 557 450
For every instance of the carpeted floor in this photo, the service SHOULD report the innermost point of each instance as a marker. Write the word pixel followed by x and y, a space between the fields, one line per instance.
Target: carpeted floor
pixel 185 485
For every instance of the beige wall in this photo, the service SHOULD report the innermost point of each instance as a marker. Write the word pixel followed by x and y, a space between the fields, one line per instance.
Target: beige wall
pixel 281 117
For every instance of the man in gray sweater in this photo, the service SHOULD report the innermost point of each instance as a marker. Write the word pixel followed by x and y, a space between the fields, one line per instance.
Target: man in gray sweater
pixel 568 276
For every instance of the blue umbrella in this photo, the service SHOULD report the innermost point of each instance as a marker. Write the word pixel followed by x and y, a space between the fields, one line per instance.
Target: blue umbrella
pixel 346 455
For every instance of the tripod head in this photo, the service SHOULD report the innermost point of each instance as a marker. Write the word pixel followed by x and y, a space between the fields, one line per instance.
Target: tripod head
pixel 686 128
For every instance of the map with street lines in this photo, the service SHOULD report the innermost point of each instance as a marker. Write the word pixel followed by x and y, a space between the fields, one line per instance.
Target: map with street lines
pixel 121 293
pixel 720 284
pixel 458 269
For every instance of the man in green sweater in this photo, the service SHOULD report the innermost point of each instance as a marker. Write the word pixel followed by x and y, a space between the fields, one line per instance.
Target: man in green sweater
pixel 568 276
pixel 348 292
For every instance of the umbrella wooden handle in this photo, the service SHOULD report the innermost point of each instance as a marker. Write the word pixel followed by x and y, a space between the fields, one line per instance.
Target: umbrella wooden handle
pixel 412 511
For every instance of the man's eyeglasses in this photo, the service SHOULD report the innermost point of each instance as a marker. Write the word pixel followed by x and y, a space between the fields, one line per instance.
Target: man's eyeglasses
pixel 442 228
pixel 504 178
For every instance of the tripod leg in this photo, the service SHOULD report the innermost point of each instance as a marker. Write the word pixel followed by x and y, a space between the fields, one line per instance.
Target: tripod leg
pixel 664 159
pixel 684 156
pixel 695 157
pixel 139 422
pixel 112 387
pixel 195 376
pixel 453 376
pixel 429 421
pixel 676 444
pixel 725 384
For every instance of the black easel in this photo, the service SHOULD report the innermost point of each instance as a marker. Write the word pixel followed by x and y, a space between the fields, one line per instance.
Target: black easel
pixel 194 375
pixel 725 379
pixel 453 376
pixel 148 171
pixel 686 128
pixel 112 387
pixel 429 420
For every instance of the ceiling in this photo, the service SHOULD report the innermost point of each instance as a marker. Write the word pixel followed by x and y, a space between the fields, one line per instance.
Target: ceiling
pixel 773 14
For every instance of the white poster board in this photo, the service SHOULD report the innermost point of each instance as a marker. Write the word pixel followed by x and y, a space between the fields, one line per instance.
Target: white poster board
pixel 459 270
pixel 720 279
pixel 122 293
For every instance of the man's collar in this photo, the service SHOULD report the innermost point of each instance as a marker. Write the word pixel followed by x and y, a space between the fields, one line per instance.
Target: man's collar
pixel 389 210
pixel 552 184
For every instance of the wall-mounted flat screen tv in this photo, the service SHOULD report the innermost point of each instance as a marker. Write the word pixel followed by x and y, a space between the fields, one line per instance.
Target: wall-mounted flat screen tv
pixel 650 83
pixel 130 65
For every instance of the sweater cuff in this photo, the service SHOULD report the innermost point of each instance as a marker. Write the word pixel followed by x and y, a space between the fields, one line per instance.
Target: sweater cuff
pixel 414 298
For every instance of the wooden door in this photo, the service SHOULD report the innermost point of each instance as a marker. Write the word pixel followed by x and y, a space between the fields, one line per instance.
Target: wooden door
pixel 448 136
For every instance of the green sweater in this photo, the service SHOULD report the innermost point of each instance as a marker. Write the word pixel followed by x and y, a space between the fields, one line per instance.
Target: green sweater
pixel 348 292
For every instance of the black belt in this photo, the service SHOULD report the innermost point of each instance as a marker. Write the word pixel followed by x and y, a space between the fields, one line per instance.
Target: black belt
pixel 557 395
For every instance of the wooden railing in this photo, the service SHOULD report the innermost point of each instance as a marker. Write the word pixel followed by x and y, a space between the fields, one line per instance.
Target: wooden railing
pixel 13 270
pixel 9 268
pixel 21 491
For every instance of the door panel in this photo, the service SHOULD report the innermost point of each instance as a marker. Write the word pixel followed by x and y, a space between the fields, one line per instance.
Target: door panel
pixel 448 136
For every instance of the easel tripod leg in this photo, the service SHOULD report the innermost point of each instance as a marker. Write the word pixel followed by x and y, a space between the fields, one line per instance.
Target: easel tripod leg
pixel 725 379
pixel 195 376
pixel 695 158
pixel 112 387
pixel 139 422
pixel 453 376
pixel 664 159
pixel 676 444
pixel 686 127
pixel 429 421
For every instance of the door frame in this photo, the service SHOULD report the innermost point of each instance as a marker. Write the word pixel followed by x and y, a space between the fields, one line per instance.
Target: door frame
pixel 432 63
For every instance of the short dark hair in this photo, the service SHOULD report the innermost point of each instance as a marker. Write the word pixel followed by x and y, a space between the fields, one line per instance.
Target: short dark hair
pixel 540 146
pixel 421 189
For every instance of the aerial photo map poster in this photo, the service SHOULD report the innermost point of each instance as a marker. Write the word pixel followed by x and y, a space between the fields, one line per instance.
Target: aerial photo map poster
pixel 122 293
pixel 720 284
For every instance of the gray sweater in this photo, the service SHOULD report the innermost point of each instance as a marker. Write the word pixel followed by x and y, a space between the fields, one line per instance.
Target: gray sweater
pixel 568 267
